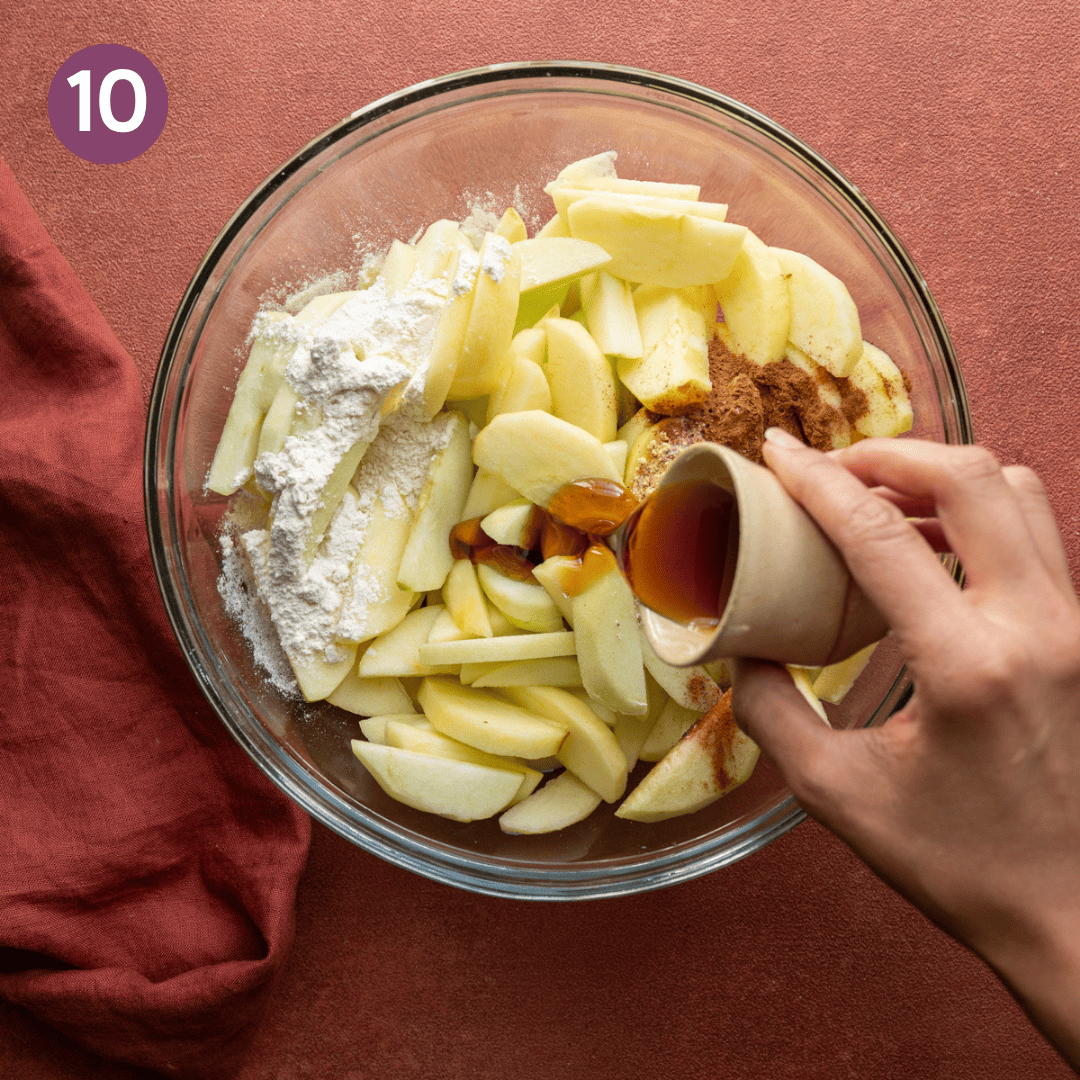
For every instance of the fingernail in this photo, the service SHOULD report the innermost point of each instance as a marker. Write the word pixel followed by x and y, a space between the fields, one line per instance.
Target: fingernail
pixel 780 437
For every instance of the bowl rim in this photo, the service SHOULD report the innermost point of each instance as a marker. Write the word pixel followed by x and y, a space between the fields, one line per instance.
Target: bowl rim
pixel 491 875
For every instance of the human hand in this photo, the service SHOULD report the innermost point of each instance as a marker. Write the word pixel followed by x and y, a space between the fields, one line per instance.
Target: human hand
pixel 967 800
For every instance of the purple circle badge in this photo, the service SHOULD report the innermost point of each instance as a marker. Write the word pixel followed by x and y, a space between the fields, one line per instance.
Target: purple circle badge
pixel 108 104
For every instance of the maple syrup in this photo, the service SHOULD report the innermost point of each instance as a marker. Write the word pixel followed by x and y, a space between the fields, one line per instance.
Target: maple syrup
pixel 679 551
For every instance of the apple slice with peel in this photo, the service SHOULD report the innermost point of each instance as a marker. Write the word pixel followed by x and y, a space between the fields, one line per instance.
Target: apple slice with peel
pixel 580 378
pixel 459 790
pixel 485 352
pixel 672 245
pixel 374 727
pixel 824 319
pixel 714 757
pixel 480 719
pixel 255 392
pixel 537 453
pixel 672 375
pixel 590 751
pixel 427 560
pixel 501 649
pixel 371 697
pixel 526 605
pixel 550 671
pixel 397 652
pixel 609 642
pixel 464 600
pixel 563 801
pixel 756 303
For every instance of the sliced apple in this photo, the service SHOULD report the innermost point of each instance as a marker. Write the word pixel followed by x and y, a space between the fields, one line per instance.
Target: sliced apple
pixel 608 304
pixel 618 452
pixel 590 751
pixel 487 491
pixel 371 697
pixel 511 228
pixel 609 646
pixel 459 790
pixel 374 602
pixel 446 348
pixel 672 375
pixel 715 757
pixel 824 319
pixel 895 385
pixel 555 575
pixel 490 650
pixel 480 719
pixel 255 392
pixel 563 801
pixel 631 732
pixel 437 250
pixel 585 169
pixel 508 524
pixel 554 226
pixel 525 388
pixel 485 352
pixel 465 600
pixel 580 378
pixel 692 687
pixel 550 671
pixel 397 652
pixel 398 267
pixel 319 675
pixel 374 727
pixel 880 419
pixel 756 303
pixel 526 605
pixel 833 682
pixel 537 453
pixel 657 246
pixel 672 724
pixel 427 559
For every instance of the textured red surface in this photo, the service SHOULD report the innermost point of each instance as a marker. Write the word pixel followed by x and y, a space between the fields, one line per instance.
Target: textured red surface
pixel 958 122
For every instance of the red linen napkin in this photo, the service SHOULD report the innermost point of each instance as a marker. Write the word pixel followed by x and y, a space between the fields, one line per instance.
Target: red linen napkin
pixel 148 869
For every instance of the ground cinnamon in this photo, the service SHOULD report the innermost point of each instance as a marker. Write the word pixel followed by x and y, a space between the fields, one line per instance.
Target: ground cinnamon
pixel 746 398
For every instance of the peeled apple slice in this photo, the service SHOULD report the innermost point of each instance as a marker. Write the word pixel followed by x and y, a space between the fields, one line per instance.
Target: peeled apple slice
pixel 563 801
pixel 537 453
pixel 459 790
pixel 756 303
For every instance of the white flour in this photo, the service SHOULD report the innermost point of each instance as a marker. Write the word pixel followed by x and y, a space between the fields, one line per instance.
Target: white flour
pixel 345 370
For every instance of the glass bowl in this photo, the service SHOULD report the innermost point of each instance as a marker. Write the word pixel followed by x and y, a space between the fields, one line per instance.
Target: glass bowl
pixel 494 137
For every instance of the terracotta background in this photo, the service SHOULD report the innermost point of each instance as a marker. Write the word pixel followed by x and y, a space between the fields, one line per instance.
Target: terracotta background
pixel 959 122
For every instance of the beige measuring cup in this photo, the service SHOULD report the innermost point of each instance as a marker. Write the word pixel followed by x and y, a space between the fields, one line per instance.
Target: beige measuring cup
pixel 792 598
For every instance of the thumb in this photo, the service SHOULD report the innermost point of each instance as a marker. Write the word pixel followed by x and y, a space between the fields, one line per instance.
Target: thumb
pixel 772 710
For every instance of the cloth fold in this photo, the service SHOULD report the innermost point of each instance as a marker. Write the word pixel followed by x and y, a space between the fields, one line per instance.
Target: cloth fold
pixel 149 870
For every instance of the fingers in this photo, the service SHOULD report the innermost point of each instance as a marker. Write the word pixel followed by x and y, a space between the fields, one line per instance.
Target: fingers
pixel 978 509
pixel 770 709
pixel 888 557
pixel 1041 523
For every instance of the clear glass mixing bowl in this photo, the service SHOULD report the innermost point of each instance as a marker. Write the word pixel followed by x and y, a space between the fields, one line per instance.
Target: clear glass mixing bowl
pixel 495 136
